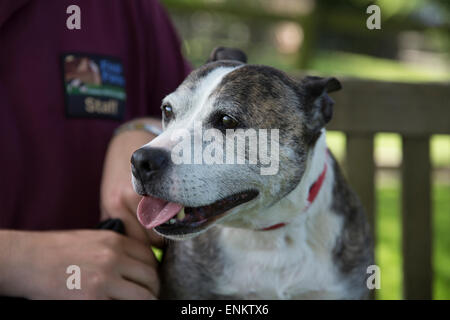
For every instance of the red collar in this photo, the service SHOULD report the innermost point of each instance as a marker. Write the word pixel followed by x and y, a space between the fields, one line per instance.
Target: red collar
pixel 313 192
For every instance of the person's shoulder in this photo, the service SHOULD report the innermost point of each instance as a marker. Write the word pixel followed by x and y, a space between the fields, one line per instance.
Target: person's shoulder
pixel 150 7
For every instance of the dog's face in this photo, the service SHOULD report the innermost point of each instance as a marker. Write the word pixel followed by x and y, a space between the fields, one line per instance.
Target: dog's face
pixel 187 186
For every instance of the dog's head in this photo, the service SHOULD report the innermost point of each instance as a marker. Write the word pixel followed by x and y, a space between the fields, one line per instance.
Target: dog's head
pixel 236 138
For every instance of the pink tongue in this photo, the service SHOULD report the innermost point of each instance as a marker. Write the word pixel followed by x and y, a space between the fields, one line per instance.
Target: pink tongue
pixel 152 212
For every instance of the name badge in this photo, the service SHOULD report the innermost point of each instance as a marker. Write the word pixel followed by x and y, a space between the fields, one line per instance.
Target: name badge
pixel 94 86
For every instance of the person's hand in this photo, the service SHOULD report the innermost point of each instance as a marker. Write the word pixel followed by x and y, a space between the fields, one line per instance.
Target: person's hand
pixel 112 266
pixel 118 199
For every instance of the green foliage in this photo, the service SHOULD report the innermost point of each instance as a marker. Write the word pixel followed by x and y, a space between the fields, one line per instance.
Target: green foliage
pixel 362 66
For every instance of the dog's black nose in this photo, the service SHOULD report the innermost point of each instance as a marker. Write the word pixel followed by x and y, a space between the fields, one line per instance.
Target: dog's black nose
pixel 146 161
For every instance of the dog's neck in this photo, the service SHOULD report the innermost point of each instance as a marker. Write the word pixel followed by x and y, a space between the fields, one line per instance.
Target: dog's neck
pixel 314 190
pixel 294 210
pixel 295 205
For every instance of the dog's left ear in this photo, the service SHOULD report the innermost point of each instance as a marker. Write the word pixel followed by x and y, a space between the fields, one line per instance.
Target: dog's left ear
pixel 222 53
pixel 318 104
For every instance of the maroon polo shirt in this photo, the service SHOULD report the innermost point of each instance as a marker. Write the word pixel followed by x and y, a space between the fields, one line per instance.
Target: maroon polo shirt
pixel 62 94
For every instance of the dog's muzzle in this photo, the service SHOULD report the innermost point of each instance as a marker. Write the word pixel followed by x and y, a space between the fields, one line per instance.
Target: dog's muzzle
pixel 171 218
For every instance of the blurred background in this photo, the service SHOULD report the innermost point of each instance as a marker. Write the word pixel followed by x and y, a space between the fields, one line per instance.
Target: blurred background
pixel 329 37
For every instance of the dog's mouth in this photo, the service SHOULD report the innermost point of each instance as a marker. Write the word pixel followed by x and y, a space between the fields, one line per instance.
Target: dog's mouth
pixel 169 218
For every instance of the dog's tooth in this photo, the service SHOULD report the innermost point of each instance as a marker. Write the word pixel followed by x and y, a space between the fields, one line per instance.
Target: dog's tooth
pixel 181 214
pixel 172 221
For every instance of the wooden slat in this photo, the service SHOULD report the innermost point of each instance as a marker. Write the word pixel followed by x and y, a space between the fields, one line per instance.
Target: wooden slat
pixel 416 216
pixel 361 171
pixel 361 175
pixel 364 106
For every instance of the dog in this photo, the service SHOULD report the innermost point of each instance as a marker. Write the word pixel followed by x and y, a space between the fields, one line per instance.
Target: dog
pixel 300 233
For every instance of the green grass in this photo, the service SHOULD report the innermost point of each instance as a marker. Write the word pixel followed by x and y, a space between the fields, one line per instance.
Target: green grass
pixel 440 150
pixel 358 65
pixel 388 250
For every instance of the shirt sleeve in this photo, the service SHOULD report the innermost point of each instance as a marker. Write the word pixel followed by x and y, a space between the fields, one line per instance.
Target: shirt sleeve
pixel 168 67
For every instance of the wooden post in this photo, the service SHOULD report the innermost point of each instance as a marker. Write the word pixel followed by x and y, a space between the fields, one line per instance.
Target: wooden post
pixel 416 216
pixel 361 171
pixel 361 174
pixel 305 54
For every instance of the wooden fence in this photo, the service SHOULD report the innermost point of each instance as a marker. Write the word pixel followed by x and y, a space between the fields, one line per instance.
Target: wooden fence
pixel 415 111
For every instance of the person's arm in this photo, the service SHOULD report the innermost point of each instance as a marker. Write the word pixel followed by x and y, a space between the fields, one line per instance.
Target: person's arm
pixel 33 265
pixel 118 199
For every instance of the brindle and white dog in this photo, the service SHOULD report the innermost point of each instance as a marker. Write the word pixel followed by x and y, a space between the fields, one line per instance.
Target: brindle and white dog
pixel 298 234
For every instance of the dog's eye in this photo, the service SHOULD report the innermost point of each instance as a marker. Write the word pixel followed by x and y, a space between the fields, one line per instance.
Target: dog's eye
pixel 167 110
pixel 228 122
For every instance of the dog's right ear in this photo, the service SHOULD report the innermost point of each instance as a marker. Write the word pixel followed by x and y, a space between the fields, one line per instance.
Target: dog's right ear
pixel 222 53
pixel 318 105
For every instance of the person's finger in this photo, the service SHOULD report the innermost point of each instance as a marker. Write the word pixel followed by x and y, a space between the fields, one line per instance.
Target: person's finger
pixel 126 290
pixel 133 228
pixel 140 251
pixel 132 199
pixel 155 239
pixel 139 273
